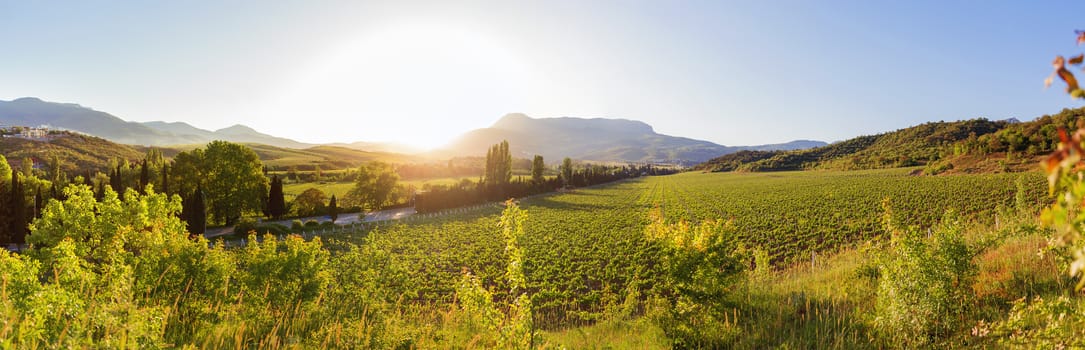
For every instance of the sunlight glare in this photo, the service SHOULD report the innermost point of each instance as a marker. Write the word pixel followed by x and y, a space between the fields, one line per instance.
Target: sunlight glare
pixel 419 83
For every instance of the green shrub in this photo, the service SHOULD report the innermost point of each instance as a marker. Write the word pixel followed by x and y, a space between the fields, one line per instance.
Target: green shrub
pixel 924 291
pixel 702 265
pixel 244 226
pixel 311 223
pixel 296 225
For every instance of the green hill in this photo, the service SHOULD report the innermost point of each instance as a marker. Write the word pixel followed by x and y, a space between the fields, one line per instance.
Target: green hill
pixel 924 144
pixel 968 146
pixel 77 152
pixel 327 157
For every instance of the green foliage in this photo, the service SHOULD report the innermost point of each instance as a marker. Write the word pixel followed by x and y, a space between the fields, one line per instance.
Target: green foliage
pixel 702 265
pixel 925 283
pixel 514 329
pixel 538 167
pixel 231 176
pixel 310 202
pixel 234 181
pixel 5 172
pixel 917 145
pixel 373 186
pixel 124 273
pixel 566 170
pixel 74 153
pixel 1056 323
pixel 498 165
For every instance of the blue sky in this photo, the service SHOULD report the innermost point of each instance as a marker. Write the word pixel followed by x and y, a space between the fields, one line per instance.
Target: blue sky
pixel 731 72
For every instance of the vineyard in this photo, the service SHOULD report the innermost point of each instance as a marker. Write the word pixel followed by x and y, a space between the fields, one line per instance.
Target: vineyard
pixel 585 249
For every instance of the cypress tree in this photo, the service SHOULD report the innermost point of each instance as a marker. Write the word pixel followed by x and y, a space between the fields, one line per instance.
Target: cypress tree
pixel 194 212
pixel 165 178
pixel 144 177
pixel 276 203
pixel 17 215
pixel 37 203
pixel 333 208
pixel 115 180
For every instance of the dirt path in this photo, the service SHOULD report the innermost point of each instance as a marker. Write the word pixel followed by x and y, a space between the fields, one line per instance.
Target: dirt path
pixel 383 215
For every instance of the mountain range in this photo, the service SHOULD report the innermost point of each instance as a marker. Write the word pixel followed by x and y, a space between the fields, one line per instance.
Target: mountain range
pixel 595 139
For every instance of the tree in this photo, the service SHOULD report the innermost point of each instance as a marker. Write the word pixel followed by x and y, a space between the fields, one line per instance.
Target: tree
pixel 231 176
pixel 333 208
pixel 5 173
pixel 373 185
pixel 292 173
pixel 144 177
pixel 537 168
pixel 56 170
pixel 116 181
pixel 17 221
pixel 498 164
pixel 187 171
pixel 310 202
pixel 194 212
pixel 276 203
pixel 567 170
pixel 37 203
pixel 27 166
pixel 166 178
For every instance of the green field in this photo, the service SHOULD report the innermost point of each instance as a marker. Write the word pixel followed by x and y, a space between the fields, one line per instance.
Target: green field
pixel 340 189
pixel 586 248
pixel 801 263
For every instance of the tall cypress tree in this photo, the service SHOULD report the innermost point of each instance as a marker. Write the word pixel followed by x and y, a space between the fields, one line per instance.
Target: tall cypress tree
pixel 194 212
pixel 144 177
pixel 166 178
pixel 101 191
pixel 115 180
pixel 506 163
pixel 276 203
pixel 17 216
pixel 38 201
pixel 333 208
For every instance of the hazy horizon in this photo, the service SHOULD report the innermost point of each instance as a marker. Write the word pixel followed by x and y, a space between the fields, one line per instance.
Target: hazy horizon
pixel 422 73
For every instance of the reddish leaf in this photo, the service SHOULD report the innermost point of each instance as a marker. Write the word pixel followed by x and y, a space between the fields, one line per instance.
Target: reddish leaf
pixel 1080 36
pixel 1076 59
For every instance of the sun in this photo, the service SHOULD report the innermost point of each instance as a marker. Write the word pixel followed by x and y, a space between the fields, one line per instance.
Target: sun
pixel 415 82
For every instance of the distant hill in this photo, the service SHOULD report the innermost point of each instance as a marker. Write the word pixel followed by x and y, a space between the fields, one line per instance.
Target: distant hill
pixel 79 153
pixel 388 147
pixel 76 152
pixel 596 139
pixel 328 157
pixel 975 145
pixel 30 111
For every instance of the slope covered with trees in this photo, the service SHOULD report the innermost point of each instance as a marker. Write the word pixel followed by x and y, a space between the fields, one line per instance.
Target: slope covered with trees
pixel 948 144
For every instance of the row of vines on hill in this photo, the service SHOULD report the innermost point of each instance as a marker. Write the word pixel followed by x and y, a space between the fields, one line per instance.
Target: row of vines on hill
pixel 584 249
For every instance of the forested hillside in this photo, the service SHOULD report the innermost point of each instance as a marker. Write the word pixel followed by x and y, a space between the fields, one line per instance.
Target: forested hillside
pixel 76 152
pixel 976 145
